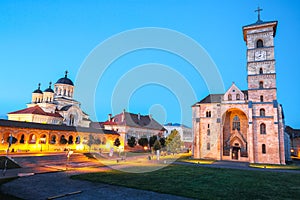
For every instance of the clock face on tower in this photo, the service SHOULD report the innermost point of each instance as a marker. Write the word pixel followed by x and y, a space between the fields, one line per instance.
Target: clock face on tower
pixel 260 55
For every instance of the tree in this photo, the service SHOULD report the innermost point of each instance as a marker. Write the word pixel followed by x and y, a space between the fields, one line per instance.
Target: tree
pixel 157 145
pixel 173 142
pixel 143 142
pixel 162 141
pixel 117 142
pixel 92 140
pixel 152 140
pixel 131 141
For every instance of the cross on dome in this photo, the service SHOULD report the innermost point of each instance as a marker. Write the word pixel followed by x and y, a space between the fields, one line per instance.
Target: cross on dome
pixel 66 75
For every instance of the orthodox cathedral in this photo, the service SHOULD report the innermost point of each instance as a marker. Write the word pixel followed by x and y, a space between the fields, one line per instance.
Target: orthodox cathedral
pixel 53 106
pixel 245 125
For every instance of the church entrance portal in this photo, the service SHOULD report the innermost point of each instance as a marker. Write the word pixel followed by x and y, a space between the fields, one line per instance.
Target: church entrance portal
pixel 235 153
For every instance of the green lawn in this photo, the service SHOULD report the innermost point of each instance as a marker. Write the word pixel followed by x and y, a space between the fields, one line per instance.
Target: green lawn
pixel 206 183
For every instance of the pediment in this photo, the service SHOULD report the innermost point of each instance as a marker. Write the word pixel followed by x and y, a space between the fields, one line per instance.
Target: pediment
pixel 233 94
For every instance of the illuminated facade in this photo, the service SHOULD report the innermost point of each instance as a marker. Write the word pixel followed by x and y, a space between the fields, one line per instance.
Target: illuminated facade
pixel 245 125
pixel 130 124
pixel 28 136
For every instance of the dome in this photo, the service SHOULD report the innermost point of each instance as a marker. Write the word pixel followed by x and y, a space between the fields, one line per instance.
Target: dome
pixel 38 90
pixel 49 89
pixel 65 80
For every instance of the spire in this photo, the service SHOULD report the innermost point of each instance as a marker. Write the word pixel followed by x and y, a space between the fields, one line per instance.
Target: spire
pixel 66 74
pixel 50 84
pixel 39 86
pixel 258 14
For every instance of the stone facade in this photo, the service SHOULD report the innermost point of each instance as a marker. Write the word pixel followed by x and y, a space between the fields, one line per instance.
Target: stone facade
pixel 244 125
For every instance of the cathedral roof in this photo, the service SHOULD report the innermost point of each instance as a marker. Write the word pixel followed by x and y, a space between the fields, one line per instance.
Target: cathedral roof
pixel 35 110
pixel 65 80
pixel 38 90
pixel 49 89
pixel 215 98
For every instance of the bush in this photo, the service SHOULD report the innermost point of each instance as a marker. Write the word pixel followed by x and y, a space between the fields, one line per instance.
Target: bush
pixel 143 142
pixel 131 141
pixel 117 142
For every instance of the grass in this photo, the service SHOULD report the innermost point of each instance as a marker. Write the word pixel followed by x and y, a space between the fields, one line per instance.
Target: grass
pixel 269 166
pixel 206 183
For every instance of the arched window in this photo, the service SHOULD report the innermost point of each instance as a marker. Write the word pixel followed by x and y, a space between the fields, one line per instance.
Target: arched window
pixel 261 98
pixel 208 131
pixel 259 44
pixel 32 139
pixel 43 139
pixel 238 97
pixel 263 148
pixel 22 141
pixel 229 97
pixel 71 120
pixel 63 140
pixel 77 141
pixel 262 112
pixel 261 71
pixel 261 84
pixel 236 123
pixel 65 92
pixel 208 113
pixel 53 139
pixel 262 128
pixel 70 141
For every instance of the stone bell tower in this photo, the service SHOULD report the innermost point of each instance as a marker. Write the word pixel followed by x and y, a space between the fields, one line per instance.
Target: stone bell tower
pixel 265 118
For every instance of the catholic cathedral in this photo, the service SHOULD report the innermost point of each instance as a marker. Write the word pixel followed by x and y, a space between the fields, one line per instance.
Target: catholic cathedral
pixel 245 125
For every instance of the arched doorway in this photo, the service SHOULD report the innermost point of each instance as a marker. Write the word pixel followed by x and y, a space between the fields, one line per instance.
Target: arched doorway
pixel 235 129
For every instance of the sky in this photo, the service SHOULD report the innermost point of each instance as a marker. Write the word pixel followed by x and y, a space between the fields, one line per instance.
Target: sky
pixel 39 40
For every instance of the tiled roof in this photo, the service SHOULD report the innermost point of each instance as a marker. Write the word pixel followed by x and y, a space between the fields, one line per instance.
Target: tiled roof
pixel 37 111
pixel 215 98
pixel 134 120
pixel 260 23
pixel 18 124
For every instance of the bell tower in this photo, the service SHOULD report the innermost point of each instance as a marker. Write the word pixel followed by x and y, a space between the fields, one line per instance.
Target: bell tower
pixel 265 129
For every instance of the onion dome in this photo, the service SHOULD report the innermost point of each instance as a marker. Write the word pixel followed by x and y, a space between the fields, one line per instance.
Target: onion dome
pixel 38 90
pixel 49 89
pixel 65 80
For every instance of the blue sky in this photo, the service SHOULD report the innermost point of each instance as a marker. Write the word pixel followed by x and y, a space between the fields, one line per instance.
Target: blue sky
pixel 39 40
